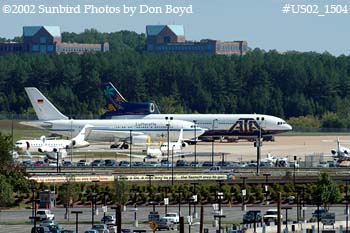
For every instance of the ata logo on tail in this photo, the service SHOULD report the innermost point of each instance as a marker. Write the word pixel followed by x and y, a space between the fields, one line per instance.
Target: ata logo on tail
pixel 245 125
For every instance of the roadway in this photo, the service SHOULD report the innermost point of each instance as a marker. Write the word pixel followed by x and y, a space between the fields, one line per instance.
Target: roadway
pixel 13 220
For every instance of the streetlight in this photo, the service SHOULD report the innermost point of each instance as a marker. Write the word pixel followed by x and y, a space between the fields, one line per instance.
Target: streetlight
pixel 244 192
pixel 66 215
pixel 180 190
pixel 135 190
pixel 76 219
pixel 212 143
pixel 172 165
pixel 286 208
pixel 93 203
pixel 166 199
pixel 258 145
pixel 168 129
pixel 189 218
pixel 346 205
pixel 266 186
pixel 194 198
pixel 130 147
pixel 195 142
pixel 220 196
pixel 105 206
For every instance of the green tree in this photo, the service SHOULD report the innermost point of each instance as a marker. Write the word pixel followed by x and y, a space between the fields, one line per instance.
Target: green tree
pixel 121 192
pixel 327 192
pixel 6 192
pixel 5 148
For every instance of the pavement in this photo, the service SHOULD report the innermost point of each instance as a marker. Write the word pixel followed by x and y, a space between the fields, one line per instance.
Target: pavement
pixel 18 220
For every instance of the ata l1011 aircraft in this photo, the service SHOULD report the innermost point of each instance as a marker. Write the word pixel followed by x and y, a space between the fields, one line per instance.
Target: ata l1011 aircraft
pixel 217 124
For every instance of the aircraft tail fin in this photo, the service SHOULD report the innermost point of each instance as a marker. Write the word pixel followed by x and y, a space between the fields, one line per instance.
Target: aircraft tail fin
pixel 181 138
pixel 43 108
pixel 83 134
pixel 113 96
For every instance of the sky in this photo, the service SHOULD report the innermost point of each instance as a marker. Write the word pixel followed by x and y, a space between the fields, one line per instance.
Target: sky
pixel 260 22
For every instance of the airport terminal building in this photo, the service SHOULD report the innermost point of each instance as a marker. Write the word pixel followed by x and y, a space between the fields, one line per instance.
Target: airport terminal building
pixel 47 39
pixel 171 38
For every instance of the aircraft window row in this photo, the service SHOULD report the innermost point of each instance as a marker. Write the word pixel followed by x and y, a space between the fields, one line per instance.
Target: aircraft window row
pixel 281 123
pixel 258 118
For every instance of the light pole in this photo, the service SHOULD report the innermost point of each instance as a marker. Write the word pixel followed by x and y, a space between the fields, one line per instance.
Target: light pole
pixel 130 147
pixel 195 142
pixel 105 205
pixel 172 165
pixel 295 166
pixel 212 143
pixel 244 192
pixel 266 186
pixel 180 190
pixel 76 219
pixel 118 217
pixel 168 129
pixel 346 206
pixel 258 145
pixel 286 208
pixel 194 198
pixel 220 196
pixel 93 203
pixel 189 214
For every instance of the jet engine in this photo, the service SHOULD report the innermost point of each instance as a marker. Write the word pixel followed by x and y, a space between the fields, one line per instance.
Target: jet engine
pixel 140 140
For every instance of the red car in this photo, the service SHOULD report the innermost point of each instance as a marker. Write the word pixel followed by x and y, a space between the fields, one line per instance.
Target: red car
pixel 40 164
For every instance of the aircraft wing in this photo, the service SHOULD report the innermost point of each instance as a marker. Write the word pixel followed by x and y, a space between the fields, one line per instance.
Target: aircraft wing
pixel 104 133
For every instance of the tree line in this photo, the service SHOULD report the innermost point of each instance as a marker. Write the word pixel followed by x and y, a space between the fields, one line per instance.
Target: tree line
pixel 292 85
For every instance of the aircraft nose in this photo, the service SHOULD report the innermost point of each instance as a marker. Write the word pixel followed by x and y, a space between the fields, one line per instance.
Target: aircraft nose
pixel 288 127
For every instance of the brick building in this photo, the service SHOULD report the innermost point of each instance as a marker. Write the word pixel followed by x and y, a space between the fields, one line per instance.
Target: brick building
pixel 47 39
pixel 171 38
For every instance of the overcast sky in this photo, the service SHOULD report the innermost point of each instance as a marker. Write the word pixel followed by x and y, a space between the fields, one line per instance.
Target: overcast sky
pixel 260 22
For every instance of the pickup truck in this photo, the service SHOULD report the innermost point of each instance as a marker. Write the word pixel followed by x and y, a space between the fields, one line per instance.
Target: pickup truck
pixel 216 169
pixel 173 217
pixel 45 214
pixel 271 216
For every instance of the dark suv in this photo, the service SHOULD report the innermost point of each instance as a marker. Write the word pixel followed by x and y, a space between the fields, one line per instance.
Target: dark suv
pixel 249 216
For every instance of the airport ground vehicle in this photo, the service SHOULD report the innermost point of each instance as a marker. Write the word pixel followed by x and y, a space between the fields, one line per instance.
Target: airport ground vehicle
pixel 165 223
pixel 48 222
pixel 40 164
pixel 182 163
pixel 45 214
pixel 40 229
pixel 91 231
pixel 173 217
pixel 252 216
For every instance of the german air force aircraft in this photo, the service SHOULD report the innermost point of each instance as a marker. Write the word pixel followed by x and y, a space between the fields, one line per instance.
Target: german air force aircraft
pixel 50 147
pixel 108 129
pixel 217 124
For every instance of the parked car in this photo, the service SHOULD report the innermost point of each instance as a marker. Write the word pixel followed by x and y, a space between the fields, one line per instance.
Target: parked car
pixel 27 163
pixel 252 216
pixel 181 163
pixel 45 214
pixel 173 217
pixel 124 163
pixel 319 213
pixel 40 229
pixel 110 163
pixel 323 164
pixel 101 228
pixel 108 219
pixel 67 163
pixel 83 163
pixel 48 222
pixel 165 223
pixel 98 163
pixel 40 164
pixel 207 164
pixel 91 231
pixel 195 164
pixel 271 215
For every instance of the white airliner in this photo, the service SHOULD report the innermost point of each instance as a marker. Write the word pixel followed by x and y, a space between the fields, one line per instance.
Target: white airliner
pixel 50 147
pixel 340 151
pixel 175 148
pixel 217 124
pixel 139 129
